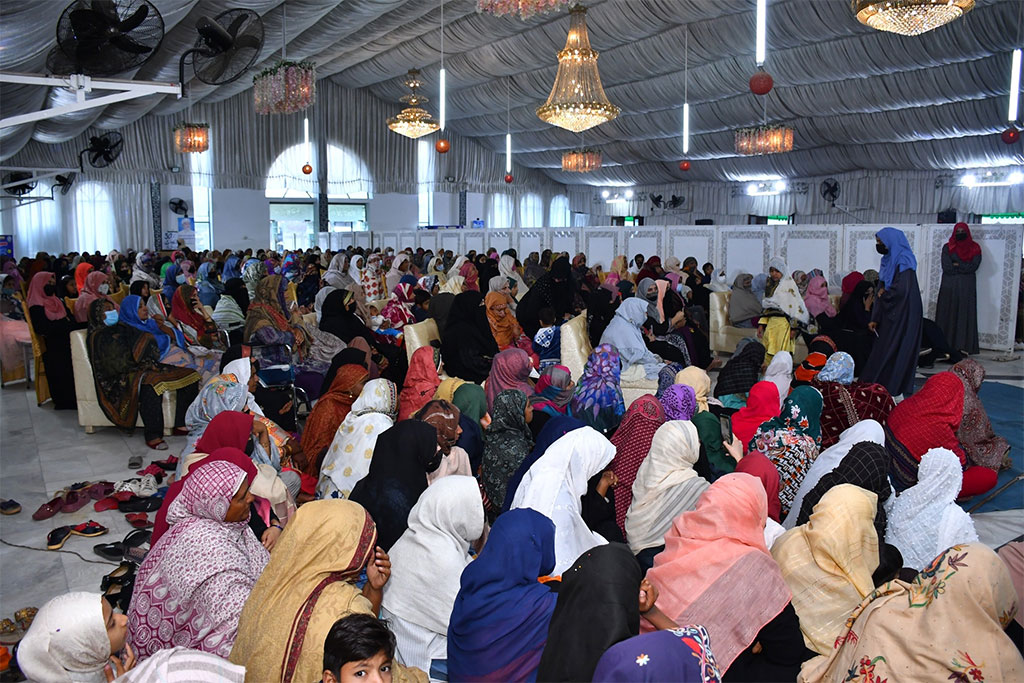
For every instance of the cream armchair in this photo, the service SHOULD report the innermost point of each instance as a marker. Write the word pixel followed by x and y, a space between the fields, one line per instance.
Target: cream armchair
pixel 724 336
pixel 90 415
pixel 576 350
pixel 420 334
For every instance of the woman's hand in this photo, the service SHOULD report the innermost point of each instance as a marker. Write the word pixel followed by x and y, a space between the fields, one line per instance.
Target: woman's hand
pixel 378 570
pixel 734 448
pixel 873 326
pixel 648 596
pixel 270 537
pixel 608 480
pixel 116 667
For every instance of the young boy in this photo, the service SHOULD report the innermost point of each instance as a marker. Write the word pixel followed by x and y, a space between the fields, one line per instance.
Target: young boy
pixel 358 649
pixel 547 343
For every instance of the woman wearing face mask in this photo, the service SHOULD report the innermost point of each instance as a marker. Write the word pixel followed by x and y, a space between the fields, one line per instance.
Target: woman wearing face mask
pixel 129 377
pixel 895 317
pixel 956 311
pixel 96 287
pixel 171 342
pixel 53 324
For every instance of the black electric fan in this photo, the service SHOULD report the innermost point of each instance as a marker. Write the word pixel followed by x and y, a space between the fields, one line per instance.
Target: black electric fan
pixel 102 151
pixel 105 37
pixel 226 47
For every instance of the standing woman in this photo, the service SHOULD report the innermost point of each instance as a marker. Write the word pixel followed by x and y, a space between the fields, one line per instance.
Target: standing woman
pixel 896 316
pixel 956 311
pixel 52 323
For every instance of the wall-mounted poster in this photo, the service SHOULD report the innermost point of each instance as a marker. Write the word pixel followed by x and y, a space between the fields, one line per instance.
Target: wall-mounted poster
pixel 7 245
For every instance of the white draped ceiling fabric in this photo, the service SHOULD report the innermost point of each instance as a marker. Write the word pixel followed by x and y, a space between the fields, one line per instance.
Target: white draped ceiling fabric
pixel 863 103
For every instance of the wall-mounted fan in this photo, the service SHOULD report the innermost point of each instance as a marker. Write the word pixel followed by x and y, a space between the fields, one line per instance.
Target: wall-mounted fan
pixel 226 47
pixel 178 206
pixel 102 151
pixel 656 200
pixel 24 185
pixel 829 190
pixel 63 183
pixel 675 202
pixel 105 37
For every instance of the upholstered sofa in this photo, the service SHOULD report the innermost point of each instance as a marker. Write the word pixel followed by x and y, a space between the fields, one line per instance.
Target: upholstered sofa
pixel 420 334
pixel 90 415
pixel 576 349
pixel 725 336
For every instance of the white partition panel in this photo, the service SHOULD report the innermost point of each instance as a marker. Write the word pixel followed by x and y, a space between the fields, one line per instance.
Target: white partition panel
pixel 427 239
pixel 647 241
pixel 387 239
pixel 500 239
pixel 565 239
pixel 600 246
pixel 450 239
pixel 474 240
pixel 806 249
pixel 745 249
pixel 698 241
pixel 532 239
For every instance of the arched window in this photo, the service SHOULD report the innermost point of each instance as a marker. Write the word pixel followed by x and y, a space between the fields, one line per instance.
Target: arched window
pixel 347 176
pixel 558 213
pixel 36 226
pixel 531 211
pixel 95 228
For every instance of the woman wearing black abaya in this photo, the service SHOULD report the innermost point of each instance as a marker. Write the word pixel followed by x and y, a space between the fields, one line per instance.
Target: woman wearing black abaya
pixel 440 305
pixel 486 267
pixel 53 324
pixel 895 317
pixel 854 337
pixel 601 307
pixel 467 345
pixel 340 319
pixel 553 291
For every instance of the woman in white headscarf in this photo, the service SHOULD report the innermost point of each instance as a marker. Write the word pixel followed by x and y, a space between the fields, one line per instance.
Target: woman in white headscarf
pixel 71 640
pixel 829 459
pixel 665 485
pixel 446 520
pixel 507 267
pixel 454 270
pixel 337 275
pixel 784 312
pixel 554 485
pixel 394 275
pixel 718 282
pixel 436 267
pixel 348 457
pixel 780 373
pixel 924 520
pixel 454 284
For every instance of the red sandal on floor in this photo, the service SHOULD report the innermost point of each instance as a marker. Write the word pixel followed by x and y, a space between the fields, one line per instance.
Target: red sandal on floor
pixel 89 529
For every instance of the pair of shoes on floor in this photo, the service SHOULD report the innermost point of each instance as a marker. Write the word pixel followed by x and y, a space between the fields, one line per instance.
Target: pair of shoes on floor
pixel 143 486
pixel 117 586
pixel 139 520
pixel 141 504
pixel 12 631
pixel 116 551
pixel 73 499
pixel 56 539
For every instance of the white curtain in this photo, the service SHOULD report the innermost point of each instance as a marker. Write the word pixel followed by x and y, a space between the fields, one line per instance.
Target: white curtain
pixel 37 226
pixel 558 216
pixel 424 174
pixel 94 225
pixel 531 211
pixel 499 210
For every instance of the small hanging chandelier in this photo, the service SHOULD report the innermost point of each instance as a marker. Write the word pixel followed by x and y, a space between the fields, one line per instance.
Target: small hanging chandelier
pixel 577 100
pixel 909 17
pixel 413 121
pixel 581 160
pixel 523 8
pixel 767 139
pixel 191 138
pixel 284 88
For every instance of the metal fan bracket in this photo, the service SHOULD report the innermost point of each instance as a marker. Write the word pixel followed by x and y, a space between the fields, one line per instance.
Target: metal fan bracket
pixel 81 85
pixel 37 174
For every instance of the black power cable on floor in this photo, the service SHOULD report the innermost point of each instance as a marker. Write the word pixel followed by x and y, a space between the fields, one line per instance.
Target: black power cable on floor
pixel 45 550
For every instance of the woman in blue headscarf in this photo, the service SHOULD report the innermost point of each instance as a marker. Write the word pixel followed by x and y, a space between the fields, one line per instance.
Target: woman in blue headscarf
pixel 172 278
pixel 895 317
pixel 208 284
pixel 499 624
pixel 169 340
pixel 231 268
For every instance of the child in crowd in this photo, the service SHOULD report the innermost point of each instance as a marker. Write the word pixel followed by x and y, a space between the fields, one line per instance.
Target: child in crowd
pixel 547 343
pixel 421 308
pixel 381 326
pixel 359 648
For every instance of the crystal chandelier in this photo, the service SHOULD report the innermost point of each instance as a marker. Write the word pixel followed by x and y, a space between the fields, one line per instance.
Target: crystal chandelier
pixel 577 100
pixel 285 88
pixel 191 138
pixel 581 160
pixel 523 8
pixel 909 17
pixel 768 139
pixel 413 121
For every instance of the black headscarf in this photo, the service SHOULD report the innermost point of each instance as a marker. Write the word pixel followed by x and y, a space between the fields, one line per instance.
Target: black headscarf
pixel 467 345
pixel 866 466
pixel 440 305
pixel 343 357
pixel 136 289
pixel 852 313
pixel 742 370
pixel 555 290
pixel 597 607
pixel 600 311
pixel 339 318
pixel 235 288
pixel 402 457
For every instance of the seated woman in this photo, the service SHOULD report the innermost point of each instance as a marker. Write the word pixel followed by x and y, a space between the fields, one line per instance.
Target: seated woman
pixel 421 381
pixel 828 563
pixel 445 521
pixel 981 444
pixel 53 325
pixel 632 441
pixel 598 400
pixel 510 370
pixel 507 442
pixel 97 286
pixel 285 621
pixel 402 458
pixel 744 306
pixel 791 441
pixel 714 564
pixel 444 418
pixel 398 310
pixel 499 624
pixel 196 324
pixel 171 342
pixel 762 405
pixel 597 607
pixel 208 284
pixel 328 413
pixel 895 629
pixel 845 402
pixel 231 307
pixel 267 323
pixel 931 418
pixel 340 319
pixel 467 345
pixel 192 585
pixel 130 379
pixel 679 654
pixel 780 373
pixel 666 486
pixel 924 519
pixel 552 393
pixel 504 327
pixel 555 484
pixel 624 333
pixel 739 374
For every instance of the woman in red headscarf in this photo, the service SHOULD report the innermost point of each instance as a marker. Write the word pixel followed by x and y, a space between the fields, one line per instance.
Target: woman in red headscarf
pixel 52 323
pixel 956 310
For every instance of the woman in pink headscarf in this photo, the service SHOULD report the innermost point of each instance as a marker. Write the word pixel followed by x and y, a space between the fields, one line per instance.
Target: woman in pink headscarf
pixel 191 588
pixel 510 370
pixel 52 323
pixel 816 298
pixel 96 287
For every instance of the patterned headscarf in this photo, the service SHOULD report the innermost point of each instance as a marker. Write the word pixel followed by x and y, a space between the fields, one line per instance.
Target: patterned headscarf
pixel 598 399
pixel 507 442
pixel 838 368
pixel 444 417
pixel 554 390
pixel 680 402
pixel 632 441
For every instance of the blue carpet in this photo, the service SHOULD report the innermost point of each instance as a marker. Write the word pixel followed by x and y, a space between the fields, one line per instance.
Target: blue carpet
pixel 1005 407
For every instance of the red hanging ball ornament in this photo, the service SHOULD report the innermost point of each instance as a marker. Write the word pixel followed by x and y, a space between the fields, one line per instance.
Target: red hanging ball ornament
pixel 442 146
pixel 761 83
pixel 307 169
pixel 684 165
pixel 1010 136
pixel 509 178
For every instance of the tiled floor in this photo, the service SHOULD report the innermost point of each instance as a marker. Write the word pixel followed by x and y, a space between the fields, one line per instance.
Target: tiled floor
pixel 42 451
